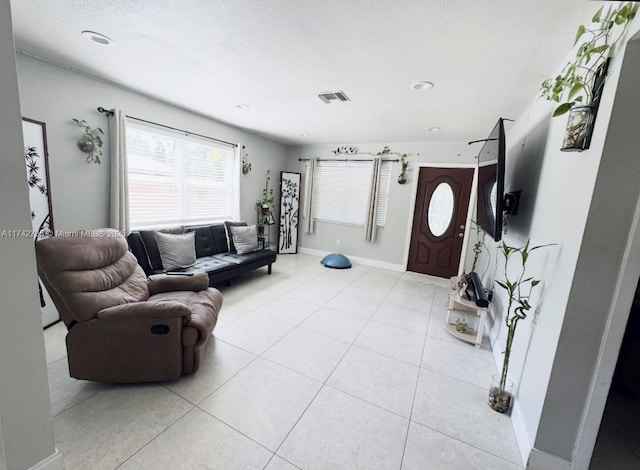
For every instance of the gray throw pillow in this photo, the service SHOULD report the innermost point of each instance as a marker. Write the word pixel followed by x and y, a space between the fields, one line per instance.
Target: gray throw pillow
pixel 227 226
pixel 176 250
pixel 245 239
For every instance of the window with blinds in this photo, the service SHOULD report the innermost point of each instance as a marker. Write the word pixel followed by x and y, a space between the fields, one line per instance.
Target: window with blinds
pixel 175 179
pixel 341 192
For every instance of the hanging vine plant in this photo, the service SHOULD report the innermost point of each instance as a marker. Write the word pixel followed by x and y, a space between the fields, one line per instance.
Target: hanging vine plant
pixel 91 141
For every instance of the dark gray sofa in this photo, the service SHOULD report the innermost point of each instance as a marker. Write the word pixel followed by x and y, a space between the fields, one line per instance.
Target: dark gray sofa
pixel 212 253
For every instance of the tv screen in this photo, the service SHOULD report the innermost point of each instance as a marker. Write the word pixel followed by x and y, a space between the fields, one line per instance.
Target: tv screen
pixel 491 163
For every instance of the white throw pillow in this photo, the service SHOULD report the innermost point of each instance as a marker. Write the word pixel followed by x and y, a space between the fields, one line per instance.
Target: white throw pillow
pixel 177 251
pixel 245 239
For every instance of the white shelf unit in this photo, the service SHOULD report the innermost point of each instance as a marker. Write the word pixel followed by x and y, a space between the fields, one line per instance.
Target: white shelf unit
pixel 461 307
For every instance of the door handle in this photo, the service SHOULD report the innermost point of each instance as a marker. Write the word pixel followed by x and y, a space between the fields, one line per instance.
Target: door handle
pixel 462 227
pixel 461 235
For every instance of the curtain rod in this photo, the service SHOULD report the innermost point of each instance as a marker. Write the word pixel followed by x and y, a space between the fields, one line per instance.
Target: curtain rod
pixel 346 160
pixel 111 113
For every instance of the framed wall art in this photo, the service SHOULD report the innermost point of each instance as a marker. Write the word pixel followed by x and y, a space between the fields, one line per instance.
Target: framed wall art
pixel 37 161
pixel 289 212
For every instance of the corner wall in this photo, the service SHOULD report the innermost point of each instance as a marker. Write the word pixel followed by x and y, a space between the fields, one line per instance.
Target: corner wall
pixel 25 414
pixel 80 191
pixel 584 203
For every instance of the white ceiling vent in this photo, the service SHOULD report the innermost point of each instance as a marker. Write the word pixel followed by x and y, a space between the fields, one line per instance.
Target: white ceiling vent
pixel 330 96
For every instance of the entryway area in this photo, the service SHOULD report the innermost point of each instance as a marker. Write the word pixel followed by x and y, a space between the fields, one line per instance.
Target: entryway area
pixel 618 443
pixel 439 220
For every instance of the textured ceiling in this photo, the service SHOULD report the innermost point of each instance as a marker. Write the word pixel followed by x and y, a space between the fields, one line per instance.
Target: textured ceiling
pixel 486 59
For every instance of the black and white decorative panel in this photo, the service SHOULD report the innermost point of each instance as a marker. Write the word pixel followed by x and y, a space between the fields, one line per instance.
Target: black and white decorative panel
pixel 289 212
pixel 37 161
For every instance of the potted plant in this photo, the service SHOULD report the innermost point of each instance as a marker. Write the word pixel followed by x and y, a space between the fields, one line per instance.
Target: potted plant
pixel 479 244
pixel 264 206
pixel 519 289
pixel 91 141
pixel 402 179
pixel 578 86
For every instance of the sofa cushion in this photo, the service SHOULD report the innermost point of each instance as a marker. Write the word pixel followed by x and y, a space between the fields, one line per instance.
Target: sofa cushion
pixel 219 233
pixel 177 251
pixel 227 226
pixel 149 238
pixel 210 263
pixel 205 244
pixel 245 239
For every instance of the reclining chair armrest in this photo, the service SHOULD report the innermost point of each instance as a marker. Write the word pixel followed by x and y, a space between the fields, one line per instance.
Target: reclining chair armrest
pixel 171 282
pixel 166 309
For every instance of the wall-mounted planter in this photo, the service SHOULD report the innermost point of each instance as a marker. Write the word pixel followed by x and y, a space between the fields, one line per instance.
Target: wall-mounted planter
pixel 577 136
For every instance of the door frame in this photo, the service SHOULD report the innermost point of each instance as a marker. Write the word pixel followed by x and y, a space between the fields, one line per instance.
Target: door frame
pixel 472 206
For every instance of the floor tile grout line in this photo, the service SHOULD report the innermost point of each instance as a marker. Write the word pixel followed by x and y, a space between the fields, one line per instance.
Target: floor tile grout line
pixel 415 389
pixel 159 434
pixel 455 438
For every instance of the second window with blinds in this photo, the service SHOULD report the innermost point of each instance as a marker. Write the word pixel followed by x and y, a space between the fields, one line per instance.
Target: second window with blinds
pixel 341 192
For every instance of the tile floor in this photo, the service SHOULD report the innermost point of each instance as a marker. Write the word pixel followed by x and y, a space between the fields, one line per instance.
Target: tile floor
pixel 309 368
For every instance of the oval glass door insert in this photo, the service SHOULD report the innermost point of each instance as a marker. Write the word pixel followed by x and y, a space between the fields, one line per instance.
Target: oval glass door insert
pixel 440 210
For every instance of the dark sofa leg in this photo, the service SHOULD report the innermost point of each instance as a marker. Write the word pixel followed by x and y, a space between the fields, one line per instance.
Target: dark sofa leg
pixel 269 269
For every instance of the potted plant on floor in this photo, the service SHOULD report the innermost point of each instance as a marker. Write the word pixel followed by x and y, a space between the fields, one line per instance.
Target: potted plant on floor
pixel 519 289
pixel 577 88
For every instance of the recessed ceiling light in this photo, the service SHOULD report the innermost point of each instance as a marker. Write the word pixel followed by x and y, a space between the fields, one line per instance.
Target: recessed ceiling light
pixel 97 38
pixel 433 129
pixel 242 106
pixel 421 86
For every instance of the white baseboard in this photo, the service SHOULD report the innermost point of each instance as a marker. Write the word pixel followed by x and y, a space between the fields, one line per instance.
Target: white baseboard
pixel 522 437
pixel 53 462
pixel 364 261
pixel 539 460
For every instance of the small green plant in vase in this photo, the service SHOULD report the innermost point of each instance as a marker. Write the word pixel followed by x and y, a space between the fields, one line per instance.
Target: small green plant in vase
pixel 264 206
pixel 91 141
pixel 519 290
pixel 578 86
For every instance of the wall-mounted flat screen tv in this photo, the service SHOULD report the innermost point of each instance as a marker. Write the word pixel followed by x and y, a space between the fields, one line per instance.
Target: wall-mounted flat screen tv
pixel 490 197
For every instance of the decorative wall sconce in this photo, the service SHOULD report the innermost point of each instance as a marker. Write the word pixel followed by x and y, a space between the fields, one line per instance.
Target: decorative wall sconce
pixel 246 165
pixel 91 141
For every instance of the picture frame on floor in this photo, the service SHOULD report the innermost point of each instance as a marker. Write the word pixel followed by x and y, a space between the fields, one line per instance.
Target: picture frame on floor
pixel 289 212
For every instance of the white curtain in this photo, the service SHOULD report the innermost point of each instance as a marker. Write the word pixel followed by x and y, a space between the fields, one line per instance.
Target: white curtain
pixel 307 210
pixel 119 208
pixel 370 228
pixel 237 162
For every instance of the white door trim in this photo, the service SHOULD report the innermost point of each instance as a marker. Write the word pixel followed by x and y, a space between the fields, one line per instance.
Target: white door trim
pixel 609 347
pixel 412 207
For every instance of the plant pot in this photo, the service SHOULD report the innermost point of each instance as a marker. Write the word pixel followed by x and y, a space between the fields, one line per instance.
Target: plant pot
pixel 577 136
pixel 500 398
pixel 86 144
pixel 402 179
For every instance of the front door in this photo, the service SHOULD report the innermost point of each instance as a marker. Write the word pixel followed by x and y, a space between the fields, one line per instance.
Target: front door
pixel 442 202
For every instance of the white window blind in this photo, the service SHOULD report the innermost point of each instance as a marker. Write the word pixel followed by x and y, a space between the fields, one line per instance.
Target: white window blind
pixel 342 192
pixel 176 179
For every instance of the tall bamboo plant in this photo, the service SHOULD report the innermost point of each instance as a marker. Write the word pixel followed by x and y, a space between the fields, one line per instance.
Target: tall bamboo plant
pixel 519 290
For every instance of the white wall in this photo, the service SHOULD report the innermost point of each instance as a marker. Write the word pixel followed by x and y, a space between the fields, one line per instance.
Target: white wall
pixel 25 414
pixel 583 202
pixel 80 191
pixel 390 246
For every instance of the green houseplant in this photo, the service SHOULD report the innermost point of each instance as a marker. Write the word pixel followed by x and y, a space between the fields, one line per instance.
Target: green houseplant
pixel 578 86
pixel 264 206
pixel 519 289
pixel 91 141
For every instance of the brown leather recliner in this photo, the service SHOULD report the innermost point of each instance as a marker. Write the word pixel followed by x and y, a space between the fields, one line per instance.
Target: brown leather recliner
pixel 122 326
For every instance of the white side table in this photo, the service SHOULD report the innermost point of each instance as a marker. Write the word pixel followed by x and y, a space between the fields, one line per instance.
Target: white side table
pixel 461 307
